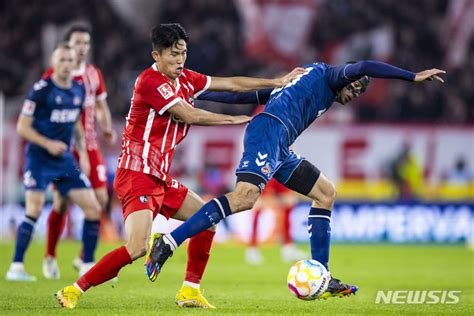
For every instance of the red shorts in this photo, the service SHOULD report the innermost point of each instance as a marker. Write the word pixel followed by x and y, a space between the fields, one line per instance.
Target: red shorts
pixel 275 187
pixel 98 173
pixel 138 191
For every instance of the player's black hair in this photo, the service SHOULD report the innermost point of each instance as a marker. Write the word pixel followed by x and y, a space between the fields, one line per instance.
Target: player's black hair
pixel 80 28
pixel 167 35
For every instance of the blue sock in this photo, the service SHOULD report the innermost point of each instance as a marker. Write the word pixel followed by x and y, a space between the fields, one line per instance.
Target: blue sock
pixel 23 238
pixel 319 228
pixel 90 235
pixel 209 215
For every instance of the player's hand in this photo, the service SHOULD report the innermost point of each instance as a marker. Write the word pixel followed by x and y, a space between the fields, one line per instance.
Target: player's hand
pixel 286 79
pixel 430 75
pixel 56 147
pixel 241 119
pixel 84 164
pixel 110 136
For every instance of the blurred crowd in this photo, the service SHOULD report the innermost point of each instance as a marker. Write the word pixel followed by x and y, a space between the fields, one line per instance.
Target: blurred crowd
pixel 217 48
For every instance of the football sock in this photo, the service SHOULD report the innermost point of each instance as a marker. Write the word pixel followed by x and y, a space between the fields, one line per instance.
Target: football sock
pixel 23 237
pixel 286 226
pixel 106 269
pixel 55 228
pixel 319 228
pixel 254 234
pixel 199 250
pixel 90 235
pixel 209 215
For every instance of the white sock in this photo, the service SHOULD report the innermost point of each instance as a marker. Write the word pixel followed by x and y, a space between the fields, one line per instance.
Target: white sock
pixel 78 287
pixel 169 240
pixel 191 284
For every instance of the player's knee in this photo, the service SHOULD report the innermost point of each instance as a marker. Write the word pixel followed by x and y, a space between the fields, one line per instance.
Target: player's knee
pixel 326 196
pixel 244 197
pixel 136 248
pixel 103 198
pixel 92 211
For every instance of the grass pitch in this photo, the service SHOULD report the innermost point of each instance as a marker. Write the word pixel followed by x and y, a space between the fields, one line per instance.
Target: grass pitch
pixel 237 288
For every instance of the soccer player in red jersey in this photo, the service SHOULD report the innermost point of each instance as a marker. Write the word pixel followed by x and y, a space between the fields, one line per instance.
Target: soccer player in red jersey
pixel 95 105
pixel 160 115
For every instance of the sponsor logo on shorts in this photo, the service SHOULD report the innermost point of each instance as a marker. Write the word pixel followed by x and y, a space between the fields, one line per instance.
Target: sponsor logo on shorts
pixel 144 199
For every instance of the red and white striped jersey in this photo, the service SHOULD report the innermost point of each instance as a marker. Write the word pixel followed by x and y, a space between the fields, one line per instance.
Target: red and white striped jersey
pixel 93 81
pixel 151 133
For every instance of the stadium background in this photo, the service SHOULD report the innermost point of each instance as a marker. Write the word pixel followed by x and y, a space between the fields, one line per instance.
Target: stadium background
pixel 359 146
pixel 402 157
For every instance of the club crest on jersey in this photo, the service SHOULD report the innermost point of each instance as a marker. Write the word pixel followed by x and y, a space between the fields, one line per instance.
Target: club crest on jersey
pixel 76 101
pixel 165 91
pixel 58 99
pixel 144 199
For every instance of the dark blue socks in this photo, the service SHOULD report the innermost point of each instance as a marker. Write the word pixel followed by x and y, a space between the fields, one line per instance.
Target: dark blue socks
pixel 319 230
pixel 23 238
pixel 209 215
pixel 90 235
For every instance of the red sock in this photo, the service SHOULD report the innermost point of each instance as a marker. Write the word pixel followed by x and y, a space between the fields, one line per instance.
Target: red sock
pixel 106 269
pixel 254 233
pixel 286 226
pixel 56 223
pixel 199 249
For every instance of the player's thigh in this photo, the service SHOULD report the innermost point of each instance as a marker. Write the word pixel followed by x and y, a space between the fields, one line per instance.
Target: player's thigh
pixel 191 204
pixel 102 196
pixel 137 232
pixel 34 202
pixel 86 200
pixel 60 203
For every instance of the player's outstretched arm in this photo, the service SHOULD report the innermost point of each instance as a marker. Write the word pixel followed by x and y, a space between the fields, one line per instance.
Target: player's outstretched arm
pixel 244 84
pixel 254 97
pixel 194 116
pixel 104 118
pixel 24 128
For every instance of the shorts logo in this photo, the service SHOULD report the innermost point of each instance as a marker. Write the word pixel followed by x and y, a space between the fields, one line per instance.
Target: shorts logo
pixel 165 91
pixel 260 160
pixel 28 180
pixel 144 199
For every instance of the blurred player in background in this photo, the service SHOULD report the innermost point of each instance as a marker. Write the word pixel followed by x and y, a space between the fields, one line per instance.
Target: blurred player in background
pixel 160 115
pixel 95 106
pixel 267 139
pixel 49 116
pixel 281 199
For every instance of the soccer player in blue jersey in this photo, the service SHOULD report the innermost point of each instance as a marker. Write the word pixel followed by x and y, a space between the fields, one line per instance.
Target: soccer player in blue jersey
pixel 49 118
pixel 287 114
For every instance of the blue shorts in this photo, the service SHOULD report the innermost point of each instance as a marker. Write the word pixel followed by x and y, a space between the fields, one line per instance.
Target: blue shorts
pixel 63 172
pixel 266 150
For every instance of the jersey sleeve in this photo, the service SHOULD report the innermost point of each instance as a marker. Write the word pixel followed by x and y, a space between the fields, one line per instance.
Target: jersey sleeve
pixel 101 92
pixel 199 81
pixel 33 98
pixel 160 94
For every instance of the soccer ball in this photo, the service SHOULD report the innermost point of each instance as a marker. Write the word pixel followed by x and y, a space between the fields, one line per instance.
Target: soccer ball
pixel 308 279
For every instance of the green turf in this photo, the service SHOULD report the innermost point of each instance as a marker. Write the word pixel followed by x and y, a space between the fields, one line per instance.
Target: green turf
pixel 236 288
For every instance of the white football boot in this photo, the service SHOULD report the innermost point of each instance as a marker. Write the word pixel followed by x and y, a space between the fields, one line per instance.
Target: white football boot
pixel 290 253
pixel 50 268
pixel 17 273
pixel 253 256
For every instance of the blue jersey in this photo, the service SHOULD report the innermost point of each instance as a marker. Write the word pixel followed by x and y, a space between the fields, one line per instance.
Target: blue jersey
pixel 55 111
pixel 311 94
pixel 300 102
